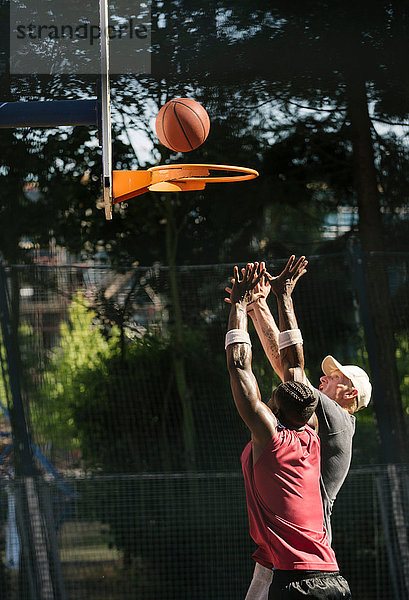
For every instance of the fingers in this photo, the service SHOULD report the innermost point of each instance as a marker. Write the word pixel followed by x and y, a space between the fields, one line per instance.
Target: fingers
pixel 248 271
pixel 295 279
pixel 256 279
pixel 260 275
pixel 290 262
pixel 300 262
pixel 255 272
pixel 300 268
pixel 295 267
pixel 252 274
pixel 265 279
pixel 287 269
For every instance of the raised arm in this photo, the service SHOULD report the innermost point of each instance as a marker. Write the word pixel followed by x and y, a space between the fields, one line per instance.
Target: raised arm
pixel 265 324
pixel 257 416
pixel 290 340
pixel 263 321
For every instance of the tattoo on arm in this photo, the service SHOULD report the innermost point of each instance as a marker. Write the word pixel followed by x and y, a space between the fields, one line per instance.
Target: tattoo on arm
pixel 271 337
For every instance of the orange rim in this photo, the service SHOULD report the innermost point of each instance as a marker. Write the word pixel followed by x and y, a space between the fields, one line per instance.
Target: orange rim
pixel 245 172
pixel 172 178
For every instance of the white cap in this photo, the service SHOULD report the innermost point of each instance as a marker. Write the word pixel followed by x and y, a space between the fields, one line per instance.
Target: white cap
pixel 359 378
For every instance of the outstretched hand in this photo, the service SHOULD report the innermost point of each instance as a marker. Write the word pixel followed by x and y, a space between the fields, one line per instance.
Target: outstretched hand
pixel 244 283
pixel 260 290
pixel 284 283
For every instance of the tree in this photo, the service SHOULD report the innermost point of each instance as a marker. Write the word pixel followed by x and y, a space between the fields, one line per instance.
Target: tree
pixel 336 59
pixel 347 55
pixel 69 378
pixel 115 397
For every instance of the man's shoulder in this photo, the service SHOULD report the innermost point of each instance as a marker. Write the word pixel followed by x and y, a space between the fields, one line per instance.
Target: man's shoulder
pixel 307 437
pixel 285 437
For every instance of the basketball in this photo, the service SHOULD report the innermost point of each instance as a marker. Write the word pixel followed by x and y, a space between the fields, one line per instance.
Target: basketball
pixel 182 124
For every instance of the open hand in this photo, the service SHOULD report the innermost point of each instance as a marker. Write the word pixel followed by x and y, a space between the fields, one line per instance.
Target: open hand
pixel 245 282
pixel 260 290
pixel 284 283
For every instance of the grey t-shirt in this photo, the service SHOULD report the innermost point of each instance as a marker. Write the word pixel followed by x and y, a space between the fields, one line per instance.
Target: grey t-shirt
pixel 336 428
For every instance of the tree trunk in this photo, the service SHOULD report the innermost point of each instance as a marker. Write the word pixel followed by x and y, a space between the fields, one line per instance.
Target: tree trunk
pixel 386 393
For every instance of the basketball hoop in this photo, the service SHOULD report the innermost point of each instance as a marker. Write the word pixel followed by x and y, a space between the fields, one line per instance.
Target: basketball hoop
pixel 174 178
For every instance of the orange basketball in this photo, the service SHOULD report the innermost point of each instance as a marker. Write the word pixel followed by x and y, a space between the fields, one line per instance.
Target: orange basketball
pixel 182 124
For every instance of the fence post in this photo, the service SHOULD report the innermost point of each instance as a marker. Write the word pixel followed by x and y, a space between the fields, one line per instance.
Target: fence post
pixel 22 450
pixel 398 511
pixel 33 528
pixel 388 535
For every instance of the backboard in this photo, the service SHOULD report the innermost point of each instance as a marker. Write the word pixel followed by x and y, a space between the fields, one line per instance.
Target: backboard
pixel 106 136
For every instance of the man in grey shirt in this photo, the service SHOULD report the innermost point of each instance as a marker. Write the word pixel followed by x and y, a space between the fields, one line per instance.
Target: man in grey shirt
pixel 336 425
pixel 343 390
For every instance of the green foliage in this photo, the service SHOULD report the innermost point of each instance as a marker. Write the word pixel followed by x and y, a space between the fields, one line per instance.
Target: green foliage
pixel 130 411
pixel 122 410
pixel 70 376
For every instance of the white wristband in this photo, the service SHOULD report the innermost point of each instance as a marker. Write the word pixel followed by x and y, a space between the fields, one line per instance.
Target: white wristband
pixel 289 338
pixel 237 336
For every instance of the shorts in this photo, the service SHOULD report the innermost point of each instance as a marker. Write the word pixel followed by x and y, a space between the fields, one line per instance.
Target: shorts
pixel 316 585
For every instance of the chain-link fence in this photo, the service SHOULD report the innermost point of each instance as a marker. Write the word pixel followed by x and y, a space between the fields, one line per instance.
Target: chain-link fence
pixel 181 536
pixel 131 485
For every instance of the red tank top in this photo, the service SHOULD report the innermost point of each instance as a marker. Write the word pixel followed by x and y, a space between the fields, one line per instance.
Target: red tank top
pixel 284 503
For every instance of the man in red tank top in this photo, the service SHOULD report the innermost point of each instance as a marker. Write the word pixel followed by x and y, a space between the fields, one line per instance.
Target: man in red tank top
pixel 281 467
